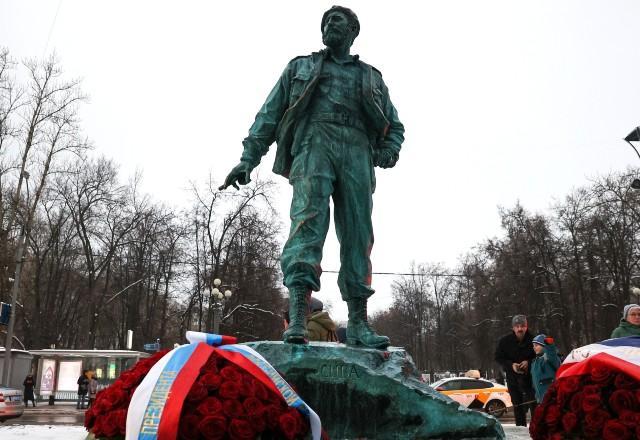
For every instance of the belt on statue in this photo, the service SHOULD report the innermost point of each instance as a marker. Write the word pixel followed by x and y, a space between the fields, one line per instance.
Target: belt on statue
pixel 342 118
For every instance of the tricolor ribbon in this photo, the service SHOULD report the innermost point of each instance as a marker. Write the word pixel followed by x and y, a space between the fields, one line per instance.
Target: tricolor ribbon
pixel 156 404
pixel 620 354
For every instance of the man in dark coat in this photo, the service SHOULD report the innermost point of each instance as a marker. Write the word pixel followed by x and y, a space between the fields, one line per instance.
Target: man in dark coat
pixel 83 389
pixel 514 354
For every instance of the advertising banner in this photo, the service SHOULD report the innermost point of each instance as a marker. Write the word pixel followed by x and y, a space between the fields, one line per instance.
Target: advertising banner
pixel 47 377
pixel 68 376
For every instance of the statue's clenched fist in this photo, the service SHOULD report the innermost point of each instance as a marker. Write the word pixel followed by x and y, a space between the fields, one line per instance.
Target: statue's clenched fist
pixel 385 157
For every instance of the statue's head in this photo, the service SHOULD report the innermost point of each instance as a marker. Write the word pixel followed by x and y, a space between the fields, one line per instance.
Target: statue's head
pixel 339 25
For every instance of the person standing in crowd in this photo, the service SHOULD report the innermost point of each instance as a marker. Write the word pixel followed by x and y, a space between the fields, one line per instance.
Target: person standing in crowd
pixel 514 354
pixel 83 388
pixel 544 366
pixel 28 384
pixel 93 388
pixel 630 322
pixel 320 326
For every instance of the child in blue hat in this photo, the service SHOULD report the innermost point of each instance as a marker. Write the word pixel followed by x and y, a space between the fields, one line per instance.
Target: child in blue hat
pixel 544 366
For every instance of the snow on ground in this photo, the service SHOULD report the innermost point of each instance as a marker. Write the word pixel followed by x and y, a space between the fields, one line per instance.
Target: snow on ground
pixel 42 432
pixel 61 432
pixel 513 432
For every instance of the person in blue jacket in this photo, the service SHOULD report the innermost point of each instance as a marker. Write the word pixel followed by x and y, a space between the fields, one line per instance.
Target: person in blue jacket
pixel 544 366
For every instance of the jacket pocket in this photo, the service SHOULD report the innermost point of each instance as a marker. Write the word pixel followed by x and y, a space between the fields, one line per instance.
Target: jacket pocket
pixel 298 85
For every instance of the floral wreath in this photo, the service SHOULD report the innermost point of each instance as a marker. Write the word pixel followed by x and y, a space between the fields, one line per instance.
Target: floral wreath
pixel 225 401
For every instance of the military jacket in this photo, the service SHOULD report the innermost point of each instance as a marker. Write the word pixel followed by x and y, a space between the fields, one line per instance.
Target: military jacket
pixel 286 106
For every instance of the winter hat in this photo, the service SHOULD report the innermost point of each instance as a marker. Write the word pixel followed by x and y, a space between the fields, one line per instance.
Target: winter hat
pixel 315 305
pixel 626 309
pixel 518 320
pixel 540 339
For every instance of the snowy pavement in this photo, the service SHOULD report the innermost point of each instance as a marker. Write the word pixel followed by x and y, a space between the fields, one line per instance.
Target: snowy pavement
pixel 58 432
pixel 42 432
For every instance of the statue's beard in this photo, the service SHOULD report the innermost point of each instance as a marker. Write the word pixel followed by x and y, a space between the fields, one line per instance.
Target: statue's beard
pixel 333 38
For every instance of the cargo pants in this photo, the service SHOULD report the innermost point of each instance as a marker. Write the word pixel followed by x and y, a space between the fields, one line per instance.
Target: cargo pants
pixel 335 162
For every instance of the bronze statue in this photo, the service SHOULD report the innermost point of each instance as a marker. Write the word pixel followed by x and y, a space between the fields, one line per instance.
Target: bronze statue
pixel 333 121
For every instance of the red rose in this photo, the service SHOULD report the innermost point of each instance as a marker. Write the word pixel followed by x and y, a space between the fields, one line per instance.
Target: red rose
pixel 231 373
pixel 272 414
pixel 601 375
pixel 112 397
pixel 197 392
pixel 188 428
pixel 232 409
pixel 128 379
pixel 246 387
pixel 536 427
pixel 212 364
pixel 97 429
pixel 229 390
pixel 566 387
pixel 211 381
pixel 576 403
pixel 614 430
pixel 252 405
pixel 591 402
pixel 556 436
pixel 260 390
pixel 210 405
pixel 595 420
pixel 241 430
pixel 622 381
pixel 118 418
pixel 258 419
pixel 288 424
pixel 109 426
pixel 89 418
pixel 213 427
pixel 569 421
pixel 621 400
pixel 591 389
pixel 630 419
pixel 553 415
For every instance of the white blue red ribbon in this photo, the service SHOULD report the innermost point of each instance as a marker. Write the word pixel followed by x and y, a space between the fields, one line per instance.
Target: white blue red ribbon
pixel 620 354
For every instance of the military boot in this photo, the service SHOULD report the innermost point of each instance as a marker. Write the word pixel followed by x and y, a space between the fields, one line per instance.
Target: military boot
pixel 359 333
pixel 296 332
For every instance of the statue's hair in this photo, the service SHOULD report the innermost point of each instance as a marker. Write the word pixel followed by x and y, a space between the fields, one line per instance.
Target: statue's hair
pixel 353 18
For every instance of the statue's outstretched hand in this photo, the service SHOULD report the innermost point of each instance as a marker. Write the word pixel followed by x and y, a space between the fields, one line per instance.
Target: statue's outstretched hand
pixel 385 157
pixel 241 174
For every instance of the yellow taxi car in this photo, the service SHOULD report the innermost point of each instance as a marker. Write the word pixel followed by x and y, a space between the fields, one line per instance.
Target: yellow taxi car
pixel 477 394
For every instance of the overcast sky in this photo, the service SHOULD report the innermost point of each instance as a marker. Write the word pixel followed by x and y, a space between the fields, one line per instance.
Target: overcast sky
pixel 501 101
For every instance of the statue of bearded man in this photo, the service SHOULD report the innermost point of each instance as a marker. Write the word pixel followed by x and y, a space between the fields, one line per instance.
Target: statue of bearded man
pixel 333 121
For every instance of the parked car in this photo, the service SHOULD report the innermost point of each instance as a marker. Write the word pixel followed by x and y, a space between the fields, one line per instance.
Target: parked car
pixel 477 394
pixel 11 404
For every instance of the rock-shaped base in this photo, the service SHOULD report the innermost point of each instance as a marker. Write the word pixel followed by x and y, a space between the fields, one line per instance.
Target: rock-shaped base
pixel 371 394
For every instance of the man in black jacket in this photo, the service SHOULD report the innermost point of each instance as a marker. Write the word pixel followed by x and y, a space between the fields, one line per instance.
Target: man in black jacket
pixel 514 354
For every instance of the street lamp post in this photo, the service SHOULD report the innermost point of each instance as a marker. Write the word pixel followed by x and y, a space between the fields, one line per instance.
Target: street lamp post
pixel 634 136
pixel 218 303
